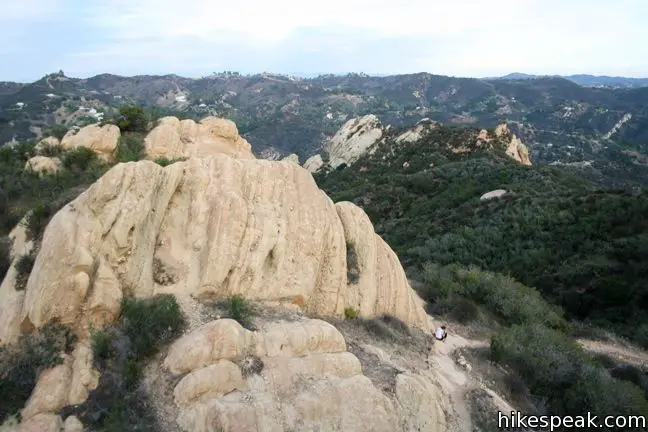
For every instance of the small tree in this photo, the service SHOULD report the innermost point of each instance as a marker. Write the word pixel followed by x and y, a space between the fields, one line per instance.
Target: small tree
pixel 132 119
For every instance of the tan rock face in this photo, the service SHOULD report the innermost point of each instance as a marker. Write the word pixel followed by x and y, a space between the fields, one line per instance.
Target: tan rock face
pixel 103 140
pixel 215 226
pixel 308 382
pixel 353 140
pixel 291 158
pixel 314 163
pixel 518 151
pixel 417 132
pixel 42 423
pixel 43 164
pixel 173 139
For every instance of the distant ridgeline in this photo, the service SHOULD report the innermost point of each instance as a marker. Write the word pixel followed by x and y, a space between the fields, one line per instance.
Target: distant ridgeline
pixel 559 120
pixel 583 247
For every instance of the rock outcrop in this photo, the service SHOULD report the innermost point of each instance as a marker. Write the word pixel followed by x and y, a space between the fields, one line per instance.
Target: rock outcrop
pixel 102 139
pixel 289 376
pixel 43 165
pixel 214 226
pixel 291 158
pixel 417 132
pixel 174 139
pixel 353 140
pixel 314 163
pixel 493 194
pixel 516 149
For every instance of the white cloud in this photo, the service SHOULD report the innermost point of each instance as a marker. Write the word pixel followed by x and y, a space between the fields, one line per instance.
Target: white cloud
pixel 460 37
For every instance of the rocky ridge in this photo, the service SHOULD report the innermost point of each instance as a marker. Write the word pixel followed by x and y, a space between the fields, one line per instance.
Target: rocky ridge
pixel 218 224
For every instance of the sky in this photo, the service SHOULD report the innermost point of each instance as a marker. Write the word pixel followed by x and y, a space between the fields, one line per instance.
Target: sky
pixel 194 38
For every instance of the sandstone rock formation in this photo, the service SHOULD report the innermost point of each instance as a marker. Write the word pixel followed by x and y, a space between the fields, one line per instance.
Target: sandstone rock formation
pixel 11 300
pixel 291 158
pixel 304 379
pixel 516 149
pixel 215 226
pixel 314 163
pixel 43 164
pixel 353 140
pixel 417 132
pixel 174 139
pixel 493 194
pixel 102 139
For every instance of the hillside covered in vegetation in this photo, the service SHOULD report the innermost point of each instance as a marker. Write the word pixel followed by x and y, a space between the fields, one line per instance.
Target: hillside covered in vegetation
pixel 584 247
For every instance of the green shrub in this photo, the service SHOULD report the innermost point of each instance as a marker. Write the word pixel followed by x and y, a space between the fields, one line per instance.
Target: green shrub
pixel 351 313
pixel 353 271
pixel 239 309
pixel 51 151
pixel 130 148
pixel 150 323
pixel 596 392
pixel 546 359
pixel 58 131
pixel 457 291
pixel 132 119
pixel 102 346
pixel 38 218
pixel 556 368
pixel 24 266
pixel 120 352
pixel 22 362
pixel 79 159
pixel 163 161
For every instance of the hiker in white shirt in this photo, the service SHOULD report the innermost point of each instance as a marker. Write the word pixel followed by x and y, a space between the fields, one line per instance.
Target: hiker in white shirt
pixel 440 333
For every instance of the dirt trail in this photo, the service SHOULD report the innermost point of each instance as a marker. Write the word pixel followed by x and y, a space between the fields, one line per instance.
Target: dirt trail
pixel 455 380
pixel 620 352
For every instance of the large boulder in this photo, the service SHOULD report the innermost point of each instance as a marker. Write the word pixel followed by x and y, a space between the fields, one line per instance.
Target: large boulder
pixel 43 165
pixel 353 140
pixel 102 139
pixel 174 139
pixel 48 142
pixel 215 227
pixel 314 163
pixel 303 379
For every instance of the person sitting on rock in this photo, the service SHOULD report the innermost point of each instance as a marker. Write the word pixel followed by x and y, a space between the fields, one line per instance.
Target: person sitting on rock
pixel 440 333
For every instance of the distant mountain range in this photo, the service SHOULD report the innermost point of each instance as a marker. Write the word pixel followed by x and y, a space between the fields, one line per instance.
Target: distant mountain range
pixel 561 121
pixel 585 80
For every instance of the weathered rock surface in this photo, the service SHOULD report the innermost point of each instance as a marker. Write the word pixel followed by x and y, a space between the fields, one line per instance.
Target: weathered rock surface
pixel 308 382
pixel 43 164
pixel 174 139
pixel 314 163
pixel 417 132
pixel 11 301
pixel 47 142
pixel 220 226
pixel 353 140
pixel 493 194
pixel 291 158
pixel 516 149
pixel 102 139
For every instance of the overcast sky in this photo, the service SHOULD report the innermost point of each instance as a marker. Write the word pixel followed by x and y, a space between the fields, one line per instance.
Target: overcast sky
pixel 197 37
